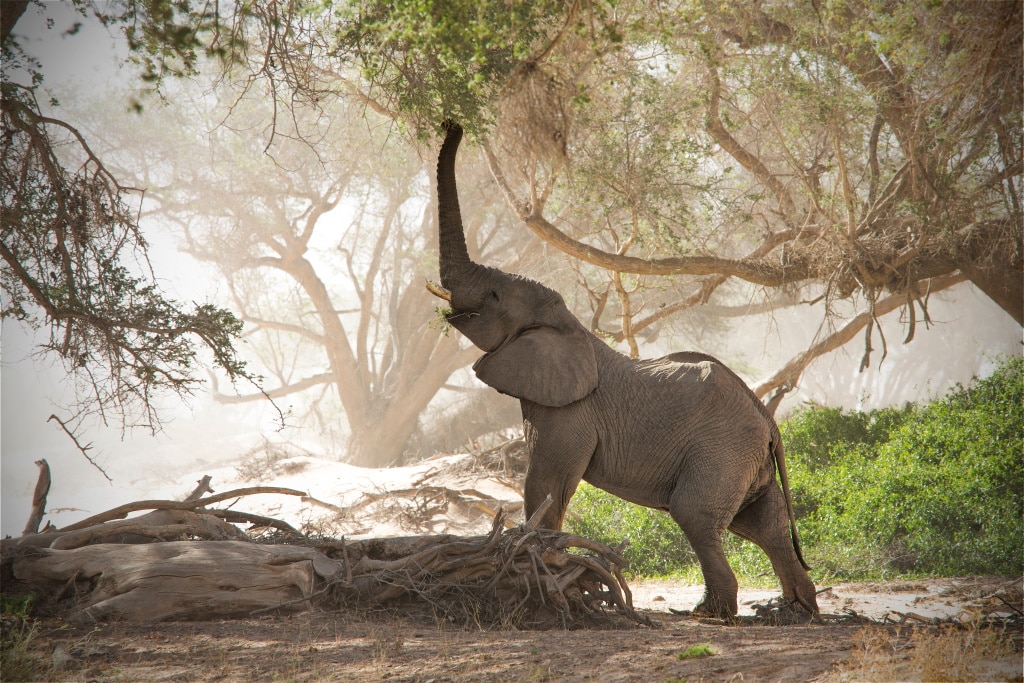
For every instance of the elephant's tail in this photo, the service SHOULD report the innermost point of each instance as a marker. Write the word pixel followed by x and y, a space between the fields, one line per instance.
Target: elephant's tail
pixel 780 462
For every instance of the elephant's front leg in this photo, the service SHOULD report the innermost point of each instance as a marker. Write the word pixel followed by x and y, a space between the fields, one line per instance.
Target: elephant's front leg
pixel 560 449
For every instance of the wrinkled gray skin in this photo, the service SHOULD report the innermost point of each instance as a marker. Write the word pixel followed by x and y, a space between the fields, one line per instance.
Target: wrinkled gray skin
pixel 681 433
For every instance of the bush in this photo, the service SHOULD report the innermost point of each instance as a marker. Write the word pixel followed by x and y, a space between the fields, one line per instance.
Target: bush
pixel 656 543
pixel 937 489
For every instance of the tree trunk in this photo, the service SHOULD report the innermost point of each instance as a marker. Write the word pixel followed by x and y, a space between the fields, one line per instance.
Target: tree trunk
pixel 179 579
pixel 9 15
pixel 381 443
pixel 522 573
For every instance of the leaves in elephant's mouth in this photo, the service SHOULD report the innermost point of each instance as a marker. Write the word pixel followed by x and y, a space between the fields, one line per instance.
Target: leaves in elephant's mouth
pixel 440 319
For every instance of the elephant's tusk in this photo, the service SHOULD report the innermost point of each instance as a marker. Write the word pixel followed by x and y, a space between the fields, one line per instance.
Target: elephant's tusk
pixel 439 291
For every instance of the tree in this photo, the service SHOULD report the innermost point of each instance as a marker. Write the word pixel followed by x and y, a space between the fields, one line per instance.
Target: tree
pixel 861 155
pixel 868 149
pixel 76 263
pixel 325 247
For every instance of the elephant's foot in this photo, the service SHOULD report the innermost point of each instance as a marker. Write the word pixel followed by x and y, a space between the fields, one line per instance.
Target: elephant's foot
pixel 717 605
pixel 805 595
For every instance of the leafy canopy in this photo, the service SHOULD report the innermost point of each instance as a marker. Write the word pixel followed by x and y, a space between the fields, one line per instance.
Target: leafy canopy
pixel 75 257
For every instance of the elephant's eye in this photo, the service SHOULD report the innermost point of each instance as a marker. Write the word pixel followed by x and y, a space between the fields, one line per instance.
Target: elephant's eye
pixel 494 295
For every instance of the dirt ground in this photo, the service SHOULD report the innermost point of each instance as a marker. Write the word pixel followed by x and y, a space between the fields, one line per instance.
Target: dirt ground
pixel 411 645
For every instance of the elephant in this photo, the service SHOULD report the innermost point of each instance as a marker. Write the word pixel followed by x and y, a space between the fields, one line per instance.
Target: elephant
pixel 682 433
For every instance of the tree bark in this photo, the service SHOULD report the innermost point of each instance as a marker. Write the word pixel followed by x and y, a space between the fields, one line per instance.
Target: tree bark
pixel 10 13
pixel 1004 285
pixel 179 579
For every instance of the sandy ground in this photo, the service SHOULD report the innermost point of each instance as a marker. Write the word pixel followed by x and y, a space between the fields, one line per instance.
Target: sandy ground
pixel 410 644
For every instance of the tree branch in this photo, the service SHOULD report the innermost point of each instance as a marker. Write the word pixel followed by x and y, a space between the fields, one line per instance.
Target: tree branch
pixel 757 270
pixel 714 126
pixel 82 449
pixel 39 495
pixel 301 385
pixel 789 375
pixel 123 510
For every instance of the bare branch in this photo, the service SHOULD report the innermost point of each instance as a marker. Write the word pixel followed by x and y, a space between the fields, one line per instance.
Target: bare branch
pixel 278 392
pixel 84 450
pixel 38 499
pixel 122 510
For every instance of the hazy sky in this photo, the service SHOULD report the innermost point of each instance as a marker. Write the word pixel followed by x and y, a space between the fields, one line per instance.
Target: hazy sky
pixel 973 333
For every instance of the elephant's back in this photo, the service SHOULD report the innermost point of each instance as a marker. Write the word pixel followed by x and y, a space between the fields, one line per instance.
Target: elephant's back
pixel 707 408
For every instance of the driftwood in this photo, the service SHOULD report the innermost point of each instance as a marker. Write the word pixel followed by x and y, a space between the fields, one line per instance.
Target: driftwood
pixel 42 489
pixel 162 524
pixel 202 486
pixel 174 580
pixel 191 504
pixel 507 577
pixel 183 560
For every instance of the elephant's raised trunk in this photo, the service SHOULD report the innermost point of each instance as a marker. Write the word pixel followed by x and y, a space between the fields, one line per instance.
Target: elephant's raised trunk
pixel 453 255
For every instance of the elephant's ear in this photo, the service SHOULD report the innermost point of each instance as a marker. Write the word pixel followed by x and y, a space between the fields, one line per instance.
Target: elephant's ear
pixel 547 365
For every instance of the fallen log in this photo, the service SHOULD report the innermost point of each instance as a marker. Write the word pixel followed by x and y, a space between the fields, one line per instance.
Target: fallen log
pixel 190 504
pixel 104 527
pixel 177 580
pixel 509 577
pixel 185 561
pixel 158 525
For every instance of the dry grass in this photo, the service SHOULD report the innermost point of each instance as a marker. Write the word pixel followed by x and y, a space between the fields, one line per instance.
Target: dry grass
pixel 946 653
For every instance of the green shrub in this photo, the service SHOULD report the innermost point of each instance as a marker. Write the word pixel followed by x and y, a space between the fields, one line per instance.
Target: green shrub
pixel 656 543
pixel 938 489
pixel 817 435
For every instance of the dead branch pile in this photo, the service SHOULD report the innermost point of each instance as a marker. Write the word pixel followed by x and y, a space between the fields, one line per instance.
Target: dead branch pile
pixel 183 561
pixel 453 504
pixel 510 577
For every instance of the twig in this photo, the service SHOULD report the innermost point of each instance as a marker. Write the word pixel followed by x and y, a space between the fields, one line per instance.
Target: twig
pixel 84 449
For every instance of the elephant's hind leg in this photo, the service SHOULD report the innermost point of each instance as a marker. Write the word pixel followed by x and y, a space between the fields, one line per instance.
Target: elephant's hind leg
pixel 703 529
pixel 765 523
